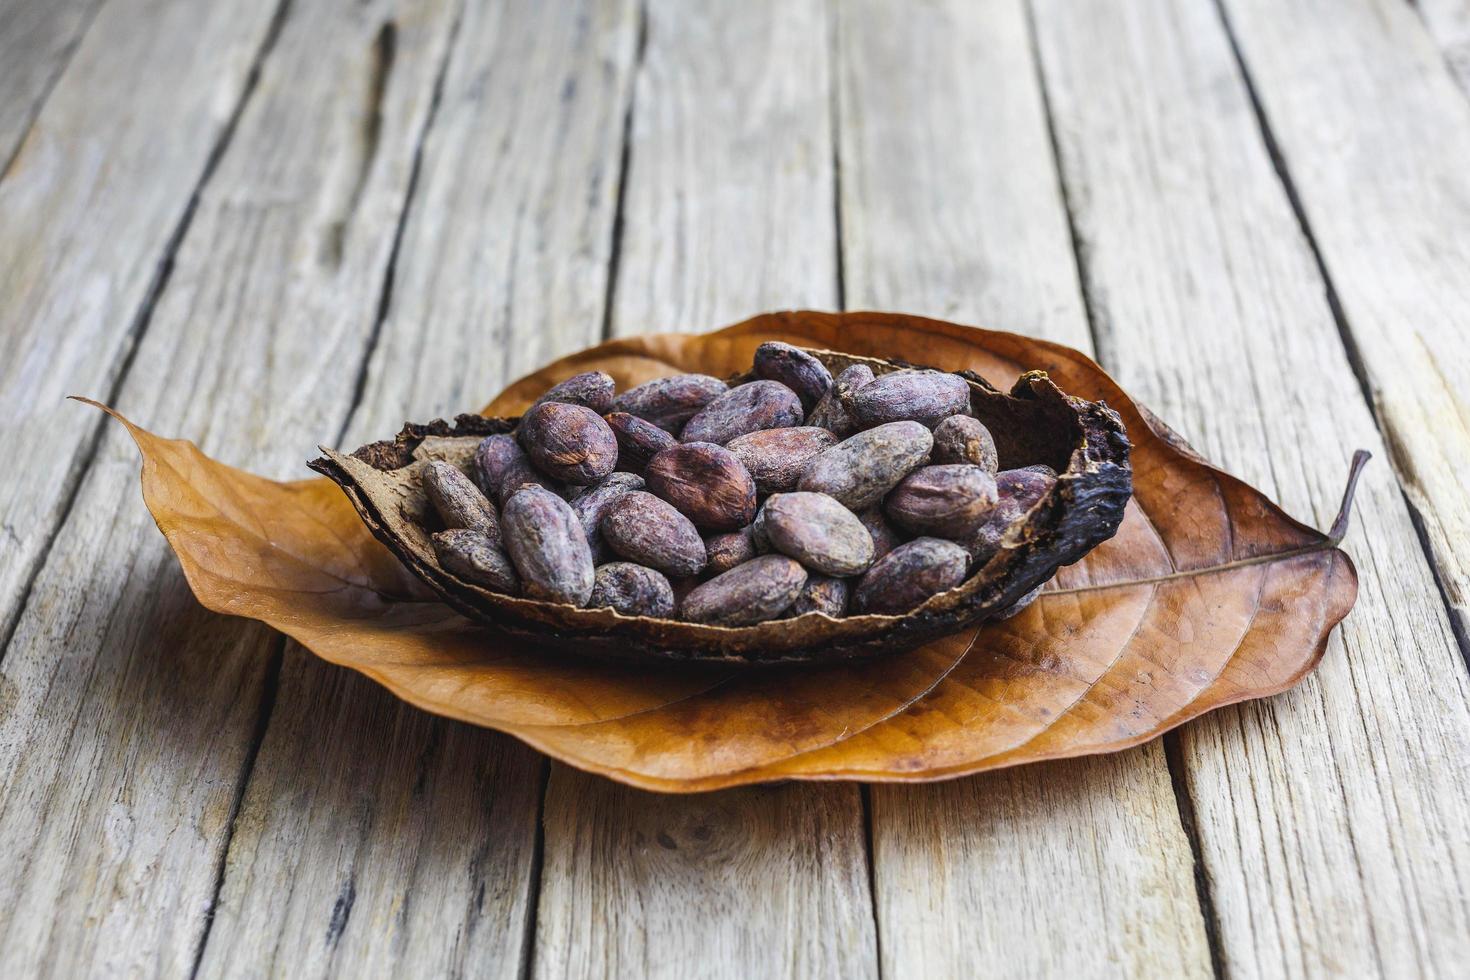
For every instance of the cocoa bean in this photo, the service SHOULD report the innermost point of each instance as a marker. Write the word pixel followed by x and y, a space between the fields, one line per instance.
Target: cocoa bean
pixel 951 500
pixel 832 412
pixel 776 457
pixel 822 594
pixel 794 368
pixel 473 556
pixel 670 402
pixel 909 575
pixel 547 546
pixel 500 468
pixel 638 440
pixel 885 536
pixel 706 483
pixel 727 550
pixel 592 505
pixel 632 590
pixel 458 501
pixel 758 533
pixel 819 532
pixel 963 439
pixel 761 589
pixel 1017 491
pixel 745 408
pixel 649 531
pixel 592 389
pixel 927 397
pixel 569 442
pixel 859 470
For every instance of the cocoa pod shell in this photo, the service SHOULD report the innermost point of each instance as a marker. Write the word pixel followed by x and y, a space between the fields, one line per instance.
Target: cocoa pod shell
pixel 670 402
pixel 761 589
pixel 633 590
pixel 775 458
pixel 860 469
pixel 650 531
pixel 744 408
pixel 569 442
pixel 547 546
pixel 819 532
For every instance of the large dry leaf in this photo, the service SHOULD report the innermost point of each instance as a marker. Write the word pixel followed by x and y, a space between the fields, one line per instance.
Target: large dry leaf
pixel 1209 594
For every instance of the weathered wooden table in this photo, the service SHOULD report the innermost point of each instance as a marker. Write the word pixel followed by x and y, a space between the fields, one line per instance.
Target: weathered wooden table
pixel 264 225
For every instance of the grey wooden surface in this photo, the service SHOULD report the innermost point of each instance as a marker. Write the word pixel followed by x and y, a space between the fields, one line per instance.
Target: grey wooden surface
pixel 266 225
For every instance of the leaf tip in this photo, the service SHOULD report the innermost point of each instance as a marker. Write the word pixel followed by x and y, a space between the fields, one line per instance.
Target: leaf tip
pixel 1339 527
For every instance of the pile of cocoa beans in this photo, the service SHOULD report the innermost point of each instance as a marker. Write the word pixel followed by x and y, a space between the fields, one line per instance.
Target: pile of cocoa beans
pixel 687 498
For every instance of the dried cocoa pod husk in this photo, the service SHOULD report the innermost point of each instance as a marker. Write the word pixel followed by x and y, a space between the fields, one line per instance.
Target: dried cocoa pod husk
pixel 761 589
pixel 1033 423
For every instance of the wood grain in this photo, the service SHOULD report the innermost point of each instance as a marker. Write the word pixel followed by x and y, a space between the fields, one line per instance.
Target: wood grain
pixel 36 39
pixel 950 206
pixel 1330 819
pixel 88 206
pixel 728 211
pixel 1374 134
pixel 1449 23
pixel 373 839
pixel 130 714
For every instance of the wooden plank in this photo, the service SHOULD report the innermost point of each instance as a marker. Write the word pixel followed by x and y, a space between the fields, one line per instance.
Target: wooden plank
pixel 373 839
pixel 950 206
pixel 1375 134
pixel 36 39
pixel 87 209
pixel 1331 819
pixel 1449 23
pixel 129 714
pixel 728 211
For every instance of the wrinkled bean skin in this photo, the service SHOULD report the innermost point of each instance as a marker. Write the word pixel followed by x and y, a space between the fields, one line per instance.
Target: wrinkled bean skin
pixel 592 389
pixel 822 594
pixel 474 557
pixel 794 368
pixel 951 500
pixel 775 458
pixel 670 402
pixel 758 533
pixel 649 531
pixel 745 408
pixel 457 500
pixel 963 439
pixel 638 440
pixel 591 506
pixel 885 536
pixel 859 470
pixel 909 575
pixel 927 397
pixel 568 442
pixel 754 592
pixel 819 532
pixel 1017 492
pixel 832 412
pixel 547 546
pixel 632 590
pixel 500 468
pixel 706 483
pixel 727 550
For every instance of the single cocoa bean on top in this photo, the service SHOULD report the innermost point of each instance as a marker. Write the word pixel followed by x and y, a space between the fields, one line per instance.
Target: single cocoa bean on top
pixel 474 557
pixel 818 532
pixel 832 412
pixel 591 506
pixel 964 439
pixel 570 442
pixel 649 531
pixel 745 408
pixel 500 468
pixel 776 457
pixel 548 547
pixel 638 440
pixel 706 483
pixel 928 397
pixel 951 500
pixel 859 470
pixel 754 592
pixel 729 549
pixel 822 594
pixel 591 389
pixel 794 368
pixel 632 590
pixel 458 501
pixel 909 575
pixel 670 402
